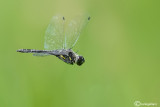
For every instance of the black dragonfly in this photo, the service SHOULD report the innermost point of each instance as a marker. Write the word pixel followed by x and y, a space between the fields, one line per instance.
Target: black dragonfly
pixel 60 38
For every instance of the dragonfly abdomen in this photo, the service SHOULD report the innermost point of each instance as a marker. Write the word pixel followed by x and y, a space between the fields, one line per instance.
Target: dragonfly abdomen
pixel 30 51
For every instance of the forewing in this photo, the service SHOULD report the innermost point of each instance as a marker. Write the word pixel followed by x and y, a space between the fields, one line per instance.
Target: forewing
pixel 54 35
pixel 73 30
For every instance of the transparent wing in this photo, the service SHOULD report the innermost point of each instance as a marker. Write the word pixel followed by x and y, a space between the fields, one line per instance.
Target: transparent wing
pixel 40 54
pixel 54 35
pixel 73 30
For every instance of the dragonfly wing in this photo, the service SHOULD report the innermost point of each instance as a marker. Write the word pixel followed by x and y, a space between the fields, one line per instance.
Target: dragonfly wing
pixel 54 35
pixel 73 30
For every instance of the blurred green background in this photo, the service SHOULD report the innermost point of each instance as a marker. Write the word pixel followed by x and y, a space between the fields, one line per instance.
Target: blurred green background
pixel 121 46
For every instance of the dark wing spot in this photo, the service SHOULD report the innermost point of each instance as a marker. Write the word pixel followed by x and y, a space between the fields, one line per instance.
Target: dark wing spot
pixel 89 18
pixel 63 18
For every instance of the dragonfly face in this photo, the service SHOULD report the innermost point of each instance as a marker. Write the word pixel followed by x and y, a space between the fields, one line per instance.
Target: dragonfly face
pixel 80 60
pixel 60 38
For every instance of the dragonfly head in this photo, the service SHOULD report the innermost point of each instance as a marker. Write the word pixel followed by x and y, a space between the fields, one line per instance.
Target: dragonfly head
pixel 80 60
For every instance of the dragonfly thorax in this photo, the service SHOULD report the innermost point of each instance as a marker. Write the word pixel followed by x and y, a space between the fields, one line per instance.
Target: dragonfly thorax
pixel 68 56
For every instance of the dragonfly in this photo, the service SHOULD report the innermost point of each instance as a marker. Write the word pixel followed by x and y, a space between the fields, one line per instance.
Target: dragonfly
pixel 60 38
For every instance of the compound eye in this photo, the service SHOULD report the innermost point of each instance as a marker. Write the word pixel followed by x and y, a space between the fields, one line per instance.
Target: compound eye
pixel 80 61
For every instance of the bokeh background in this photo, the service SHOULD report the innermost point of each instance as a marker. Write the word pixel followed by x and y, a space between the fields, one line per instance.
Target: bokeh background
pixel 121 45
